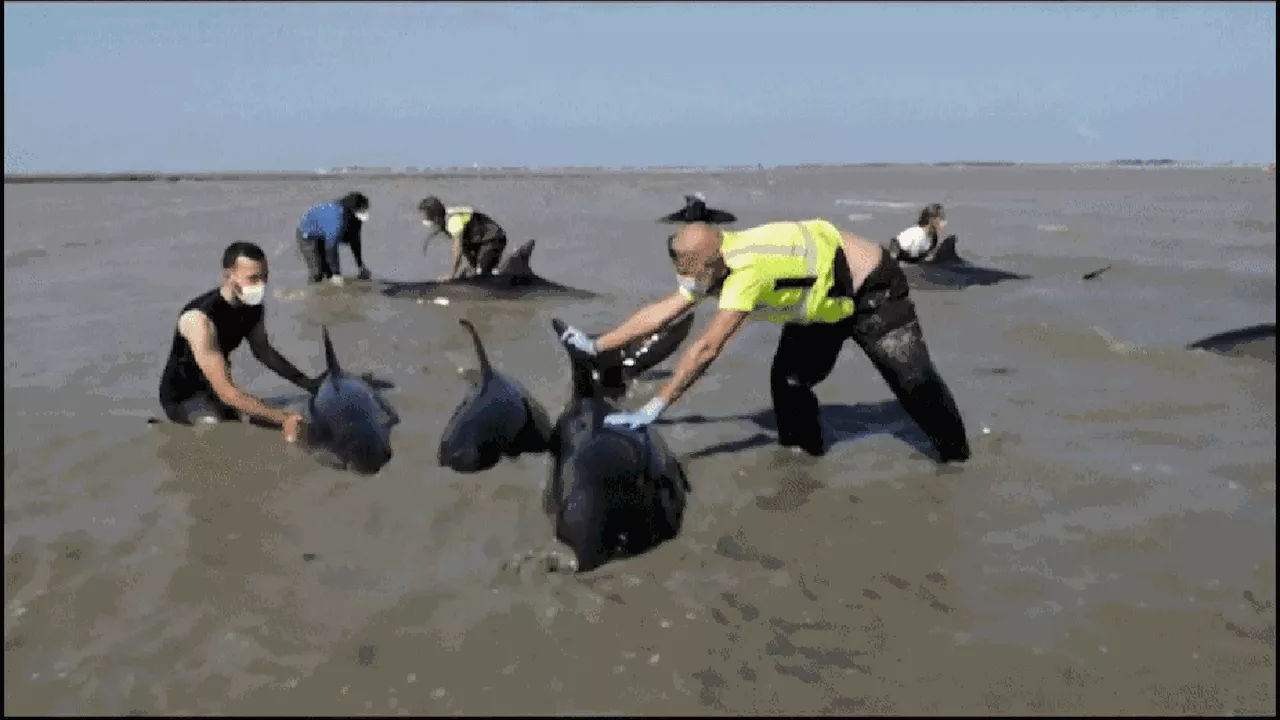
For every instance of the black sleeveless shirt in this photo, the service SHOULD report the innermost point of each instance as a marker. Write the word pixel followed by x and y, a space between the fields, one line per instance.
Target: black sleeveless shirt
pixel 182 377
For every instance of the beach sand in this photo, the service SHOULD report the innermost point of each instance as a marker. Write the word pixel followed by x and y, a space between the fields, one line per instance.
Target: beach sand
pixel 1110 548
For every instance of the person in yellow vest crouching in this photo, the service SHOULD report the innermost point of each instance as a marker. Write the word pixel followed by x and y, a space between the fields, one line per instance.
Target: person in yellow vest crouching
pixel 824 286
pixel 478 240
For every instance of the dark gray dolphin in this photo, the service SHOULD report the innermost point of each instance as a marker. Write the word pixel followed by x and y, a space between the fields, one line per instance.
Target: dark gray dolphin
pixel 944 268
pixel 695 210
pixel 497 417
pixel 349 418
pixel 1257 341
pixel 613 491
pixel 616 369
pixel 1095 274
pixel 513 279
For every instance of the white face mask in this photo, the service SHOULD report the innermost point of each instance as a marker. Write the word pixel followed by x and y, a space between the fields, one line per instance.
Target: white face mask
pixel 362 216
pixel 692 285
pixel 253 294
pixel 430 225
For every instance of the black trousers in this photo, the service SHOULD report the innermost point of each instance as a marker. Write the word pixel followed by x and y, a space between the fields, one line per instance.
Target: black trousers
pixel 885 326
pixel 484 254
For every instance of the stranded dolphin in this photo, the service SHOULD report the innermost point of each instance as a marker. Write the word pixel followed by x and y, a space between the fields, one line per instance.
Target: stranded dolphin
pixel 1257 341
pixel 349 419
pixel 944 268
pixel 511 280
pixel 497 417
pixel 695 210
pixel 613 491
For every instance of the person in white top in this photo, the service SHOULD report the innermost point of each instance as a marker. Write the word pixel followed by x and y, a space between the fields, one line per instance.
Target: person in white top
pixel 919 243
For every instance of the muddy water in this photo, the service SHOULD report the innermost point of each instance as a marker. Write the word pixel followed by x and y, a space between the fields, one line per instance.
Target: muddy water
pixel 1109 549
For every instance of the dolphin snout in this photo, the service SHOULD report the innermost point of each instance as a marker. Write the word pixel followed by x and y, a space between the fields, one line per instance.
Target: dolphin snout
pixel 466 458
pixel 369 458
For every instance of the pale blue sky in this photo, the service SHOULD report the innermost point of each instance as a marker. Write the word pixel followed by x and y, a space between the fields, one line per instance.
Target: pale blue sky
pixel 254 86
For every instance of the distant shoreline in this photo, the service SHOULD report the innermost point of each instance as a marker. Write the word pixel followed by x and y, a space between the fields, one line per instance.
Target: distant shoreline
pixel 564 172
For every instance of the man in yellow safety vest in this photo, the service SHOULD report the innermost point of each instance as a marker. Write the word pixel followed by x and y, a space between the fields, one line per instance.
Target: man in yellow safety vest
pixel 824 286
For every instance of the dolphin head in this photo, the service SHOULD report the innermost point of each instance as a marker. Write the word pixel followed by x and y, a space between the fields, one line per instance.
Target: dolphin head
pixel 613 491
pixel 351 419
pixel 484 426
pixel 608 509
pixel 495 418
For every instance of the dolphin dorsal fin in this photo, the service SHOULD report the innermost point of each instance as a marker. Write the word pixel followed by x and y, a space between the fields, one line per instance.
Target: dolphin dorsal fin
pixel 485 368
pixel 330 357
pixel 517 263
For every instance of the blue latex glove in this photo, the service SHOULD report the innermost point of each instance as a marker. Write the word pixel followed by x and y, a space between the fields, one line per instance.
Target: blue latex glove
pixel 639 418
pixel 578 340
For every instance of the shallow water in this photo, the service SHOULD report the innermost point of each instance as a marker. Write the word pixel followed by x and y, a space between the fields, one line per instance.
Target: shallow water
pixel 1109 549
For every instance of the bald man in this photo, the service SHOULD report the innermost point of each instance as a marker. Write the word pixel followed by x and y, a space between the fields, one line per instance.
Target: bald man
pixel 824 286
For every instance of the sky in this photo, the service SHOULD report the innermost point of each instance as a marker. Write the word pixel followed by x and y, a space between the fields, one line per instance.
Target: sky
pixel 103 87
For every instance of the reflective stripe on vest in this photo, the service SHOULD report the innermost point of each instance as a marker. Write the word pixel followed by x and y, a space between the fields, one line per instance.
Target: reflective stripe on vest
pixel 794 311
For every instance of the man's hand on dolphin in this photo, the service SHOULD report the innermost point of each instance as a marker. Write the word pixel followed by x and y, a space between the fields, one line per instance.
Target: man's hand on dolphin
pixel 640 418
pixel 578 340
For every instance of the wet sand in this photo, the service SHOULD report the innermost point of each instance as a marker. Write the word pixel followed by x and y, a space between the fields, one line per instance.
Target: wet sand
pixel 1109 549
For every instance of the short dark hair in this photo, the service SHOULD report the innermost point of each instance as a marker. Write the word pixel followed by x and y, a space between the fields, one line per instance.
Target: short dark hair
pixel 431 207
pixel 237 250
pixel 930 212
pixel 354 201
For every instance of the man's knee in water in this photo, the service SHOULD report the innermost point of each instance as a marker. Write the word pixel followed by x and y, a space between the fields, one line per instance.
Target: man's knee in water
pixel 904 348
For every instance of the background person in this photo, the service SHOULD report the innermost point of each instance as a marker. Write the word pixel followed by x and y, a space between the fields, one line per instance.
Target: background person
pixel 326 226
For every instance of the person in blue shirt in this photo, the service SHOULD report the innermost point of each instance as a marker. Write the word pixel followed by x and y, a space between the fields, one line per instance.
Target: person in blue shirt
pixel 326 226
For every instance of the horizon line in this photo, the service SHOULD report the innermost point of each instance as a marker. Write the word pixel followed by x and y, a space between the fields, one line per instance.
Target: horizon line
pixel 374 172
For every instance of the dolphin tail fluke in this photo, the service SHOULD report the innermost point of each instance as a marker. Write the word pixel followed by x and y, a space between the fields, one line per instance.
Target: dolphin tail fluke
pixel 483 357
pixel 330 357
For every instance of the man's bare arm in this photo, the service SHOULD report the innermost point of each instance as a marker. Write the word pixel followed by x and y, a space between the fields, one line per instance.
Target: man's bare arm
pixel 704 351
pixel 458 257
pixel 273 360
pixel 198 330
pixel 644 321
